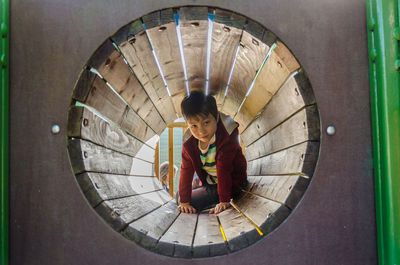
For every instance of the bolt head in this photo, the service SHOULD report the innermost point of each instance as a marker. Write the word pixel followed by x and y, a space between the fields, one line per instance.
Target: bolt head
pixel 55 129
pixel 331 130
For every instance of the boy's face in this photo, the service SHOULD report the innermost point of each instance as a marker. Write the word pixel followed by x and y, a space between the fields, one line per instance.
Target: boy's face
pixel 203 127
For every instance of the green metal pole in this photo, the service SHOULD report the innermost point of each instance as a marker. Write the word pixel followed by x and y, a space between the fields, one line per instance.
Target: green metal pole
pixel 4 127
pixel 384 61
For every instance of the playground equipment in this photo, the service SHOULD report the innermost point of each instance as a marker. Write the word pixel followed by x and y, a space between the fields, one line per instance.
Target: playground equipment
pixel 255 79
pixel 332 224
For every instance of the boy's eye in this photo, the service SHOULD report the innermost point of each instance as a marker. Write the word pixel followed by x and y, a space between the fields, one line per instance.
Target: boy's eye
pixel 193 126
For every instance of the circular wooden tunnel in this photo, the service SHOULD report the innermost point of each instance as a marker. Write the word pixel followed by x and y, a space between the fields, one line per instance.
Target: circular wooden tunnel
pixel 131 89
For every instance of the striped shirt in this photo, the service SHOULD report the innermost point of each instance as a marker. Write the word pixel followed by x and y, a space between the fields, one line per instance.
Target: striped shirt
pixel 207 157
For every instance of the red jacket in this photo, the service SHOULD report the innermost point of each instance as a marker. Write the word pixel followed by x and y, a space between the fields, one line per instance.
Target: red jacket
pixel 231 164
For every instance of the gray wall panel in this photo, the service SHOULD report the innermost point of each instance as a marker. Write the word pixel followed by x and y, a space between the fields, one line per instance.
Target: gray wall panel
pixel 50 220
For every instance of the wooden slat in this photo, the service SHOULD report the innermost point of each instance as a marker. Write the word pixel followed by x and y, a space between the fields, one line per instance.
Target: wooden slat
pixel 291 97
pixel 208 231
pixel 86 156
pixel 158 18
pixel 229 18
pixel 99 186
pixel 239 232
pixel 110 105
pixel 181 234
pixel 83 85
pixel 266 214
pixel 142 168
pixel 250 57
pixel 84 124
pixel 120 77
pixel 152 142
pixel 276 70
pixel 223 50
pixel 138 53
pixel 193 13
pixel 165 43
pixel 269 38
pixel 127 31
pixel 303 126
pixel 194 40
pixel 147 230
pixel 146 153
pixel 287 190
pixel 254 28
pixel 101 97
pixel 301 158
pixel 100 55
pixel 208 241
pixel 120 212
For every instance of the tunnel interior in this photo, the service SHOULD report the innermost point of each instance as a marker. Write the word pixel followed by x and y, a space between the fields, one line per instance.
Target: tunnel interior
pixel 130 90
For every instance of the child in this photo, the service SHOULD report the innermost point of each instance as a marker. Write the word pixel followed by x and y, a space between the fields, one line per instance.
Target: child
pixel 214 153
pixel 164 174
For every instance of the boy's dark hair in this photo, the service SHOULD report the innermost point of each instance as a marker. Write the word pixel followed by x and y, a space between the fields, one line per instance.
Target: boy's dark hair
pixel 199 104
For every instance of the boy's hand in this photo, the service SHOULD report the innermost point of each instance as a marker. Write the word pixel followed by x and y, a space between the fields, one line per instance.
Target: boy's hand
pixel 185 207
pixel 220 207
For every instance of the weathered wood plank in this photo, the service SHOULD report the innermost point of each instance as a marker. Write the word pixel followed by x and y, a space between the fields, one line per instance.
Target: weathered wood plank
pixel 114 106
pixel 301 158
pixel 166 16
pixel 152 19
pixel 84 124
pixel 147 230
pixel 291 97
pixel 83 85
pixel 303 126
pixel 250 57
pixel 117 73
pixel 120 212
pixel 181 233
pixel 239 232
pixel 135 125
pixel 229 18
pixel 100 55
pixel 193 22
pixel 158 18
pixel 138 53
pixel 254 28
pixel 127 31
pixel 99 186
pixel 287 190
pixel 223 50
pixel 276 70
pixel 208 240
pixel 286 58
pixel 194 40
pixel 110 105
pixel 86 156
pixel 152 142
pixel 165 43
pixel 142 168
pixel 266 214
pixel 187 13
pixel 146 153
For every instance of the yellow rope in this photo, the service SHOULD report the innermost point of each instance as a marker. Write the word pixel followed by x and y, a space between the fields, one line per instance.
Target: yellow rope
pixel 248 218
pixel 222 230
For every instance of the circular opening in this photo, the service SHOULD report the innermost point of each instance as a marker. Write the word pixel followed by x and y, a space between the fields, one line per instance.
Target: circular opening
pixel 130 90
